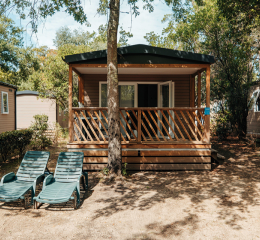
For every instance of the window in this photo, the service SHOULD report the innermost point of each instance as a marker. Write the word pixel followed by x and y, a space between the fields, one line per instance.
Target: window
pixel 127 94
pixel 5 107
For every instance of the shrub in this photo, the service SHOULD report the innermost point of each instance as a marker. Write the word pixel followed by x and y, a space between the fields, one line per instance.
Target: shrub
pixel 39 128
pixel 223 126
pixel 14 140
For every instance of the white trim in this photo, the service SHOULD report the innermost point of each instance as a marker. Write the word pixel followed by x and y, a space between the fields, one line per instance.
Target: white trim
pixel 3 103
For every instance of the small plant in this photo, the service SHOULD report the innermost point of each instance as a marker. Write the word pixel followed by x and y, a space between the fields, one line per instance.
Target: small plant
pixel 105 171
pixel 124 173
pixel 57 132
pixel 39 128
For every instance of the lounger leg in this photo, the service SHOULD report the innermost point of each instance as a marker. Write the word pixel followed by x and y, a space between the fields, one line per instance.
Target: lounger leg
pixel 75 201
pixel 86 180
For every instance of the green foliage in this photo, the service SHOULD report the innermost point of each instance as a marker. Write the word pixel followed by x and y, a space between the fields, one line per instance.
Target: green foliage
pixel 39 128
pixel 14 140
pixel 124 173
pixel 105 171
pixel 16 62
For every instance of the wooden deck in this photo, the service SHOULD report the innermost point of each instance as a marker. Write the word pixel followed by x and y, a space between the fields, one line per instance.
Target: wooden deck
pixel 151 138
pixel 153 156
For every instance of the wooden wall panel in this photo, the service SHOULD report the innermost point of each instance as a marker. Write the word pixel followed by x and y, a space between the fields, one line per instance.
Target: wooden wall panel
pixel 182 87
pixel 7 121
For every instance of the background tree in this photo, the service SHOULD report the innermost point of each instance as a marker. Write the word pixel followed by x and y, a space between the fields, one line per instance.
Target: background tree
pixel 201 27
pixel 16 62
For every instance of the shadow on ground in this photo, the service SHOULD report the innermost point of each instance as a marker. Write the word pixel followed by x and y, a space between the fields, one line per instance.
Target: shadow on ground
pixel 234 184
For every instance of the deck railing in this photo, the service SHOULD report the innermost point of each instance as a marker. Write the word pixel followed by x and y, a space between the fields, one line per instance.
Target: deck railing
pixel 90 125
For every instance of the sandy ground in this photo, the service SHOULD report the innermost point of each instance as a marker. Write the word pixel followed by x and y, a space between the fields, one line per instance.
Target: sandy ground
pixel 220 204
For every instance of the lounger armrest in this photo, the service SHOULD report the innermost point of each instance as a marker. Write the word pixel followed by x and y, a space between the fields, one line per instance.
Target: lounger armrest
pixel 38 180
pixel 48 180
pixel 7 178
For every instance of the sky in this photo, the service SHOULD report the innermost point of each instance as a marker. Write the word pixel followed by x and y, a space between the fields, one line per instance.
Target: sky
pixel 144 23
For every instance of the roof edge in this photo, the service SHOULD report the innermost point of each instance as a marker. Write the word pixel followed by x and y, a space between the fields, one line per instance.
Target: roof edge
pixel 8 85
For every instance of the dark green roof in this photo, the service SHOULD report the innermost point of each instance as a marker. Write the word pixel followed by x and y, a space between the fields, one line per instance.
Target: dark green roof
pixel 27 92
pixel 142 54
pixel 8 85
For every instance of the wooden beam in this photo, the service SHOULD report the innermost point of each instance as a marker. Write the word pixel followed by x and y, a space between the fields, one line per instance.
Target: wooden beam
pixel 70 106
pixel 207 117
pixel 200 66
pixel 76 71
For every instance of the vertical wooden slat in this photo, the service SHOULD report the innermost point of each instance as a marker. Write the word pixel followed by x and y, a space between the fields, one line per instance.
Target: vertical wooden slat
pixel 139 125
pixel 71 128
pixel 207 117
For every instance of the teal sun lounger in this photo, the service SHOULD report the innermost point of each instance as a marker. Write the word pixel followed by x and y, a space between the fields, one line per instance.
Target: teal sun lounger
pixel 65 185
pixel 30 174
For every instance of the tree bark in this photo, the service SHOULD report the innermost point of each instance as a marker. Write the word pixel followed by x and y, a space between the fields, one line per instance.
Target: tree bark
pixel 114 144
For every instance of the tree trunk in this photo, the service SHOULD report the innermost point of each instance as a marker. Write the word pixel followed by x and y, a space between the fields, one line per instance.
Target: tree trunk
pixel 114 144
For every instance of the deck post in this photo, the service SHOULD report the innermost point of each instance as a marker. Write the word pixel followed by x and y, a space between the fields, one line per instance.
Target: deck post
pixel 199 89
pixel 70 106
pixel 207 117
pixel 81 89
pixel 139 126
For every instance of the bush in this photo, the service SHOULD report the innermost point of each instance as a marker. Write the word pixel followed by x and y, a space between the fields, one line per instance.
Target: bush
pixel 14 140
pixel 39 128
pixel 223 126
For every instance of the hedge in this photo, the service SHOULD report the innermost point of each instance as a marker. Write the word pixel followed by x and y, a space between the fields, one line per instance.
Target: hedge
pixel 14 140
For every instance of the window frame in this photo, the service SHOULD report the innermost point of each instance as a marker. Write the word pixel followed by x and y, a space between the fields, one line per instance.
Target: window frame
pixel 2 105
pixel 120 83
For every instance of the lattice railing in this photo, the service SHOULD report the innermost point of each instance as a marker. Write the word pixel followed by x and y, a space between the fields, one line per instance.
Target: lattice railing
pixel 140 124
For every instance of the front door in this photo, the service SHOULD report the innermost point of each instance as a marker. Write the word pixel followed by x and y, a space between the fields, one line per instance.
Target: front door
pixel 147 97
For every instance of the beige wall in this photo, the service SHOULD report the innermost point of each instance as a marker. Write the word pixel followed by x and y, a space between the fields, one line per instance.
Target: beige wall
pixel 30 105
pixel 7 121
pixel 182 87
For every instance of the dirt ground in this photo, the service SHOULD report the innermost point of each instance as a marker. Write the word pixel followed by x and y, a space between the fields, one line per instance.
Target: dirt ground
pixel 220 204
